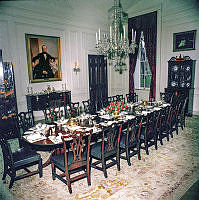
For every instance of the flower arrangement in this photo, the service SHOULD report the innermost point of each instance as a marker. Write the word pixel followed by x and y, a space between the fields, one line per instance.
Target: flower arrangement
pixel 116 107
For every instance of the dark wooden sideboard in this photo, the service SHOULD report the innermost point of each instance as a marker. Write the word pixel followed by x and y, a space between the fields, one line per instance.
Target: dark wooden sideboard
pixel 36 102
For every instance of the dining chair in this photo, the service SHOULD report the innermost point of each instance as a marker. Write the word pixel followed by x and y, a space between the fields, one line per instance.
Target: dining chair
pixel 72 159
pixel 120 97
pixel 114 98
pixel 181 114
pixel 74 109
pixel 148 135
pixel 9 129
pixel 87 106
pixel 174 118
pixel 110 99
pixel 106 148
pixel 20 159
pixel 151 130
pixel 53 112
pixel 165 124
pixel 130 139
pixel 131 97
pixel 26 120
pixel 105 102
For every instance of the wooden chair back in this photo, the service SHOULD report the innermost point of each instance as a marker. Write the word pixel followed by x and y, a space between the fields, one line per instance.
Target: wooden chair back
pixel 75 156
pixel 26 120
pixel 53 112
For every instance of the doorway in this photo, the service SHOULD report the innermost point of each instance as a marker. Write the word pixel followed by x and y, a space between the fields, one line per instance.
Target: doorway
pixel 98 83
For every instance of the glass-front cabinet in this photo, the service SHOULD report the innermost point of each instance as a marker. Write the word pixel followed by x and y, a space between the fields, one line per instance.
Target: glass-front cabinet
pixel 8 101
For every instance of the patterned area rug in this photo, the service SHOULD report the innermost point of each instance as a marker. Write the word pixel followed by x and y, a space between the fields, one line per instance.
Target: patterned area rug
pixel 165 173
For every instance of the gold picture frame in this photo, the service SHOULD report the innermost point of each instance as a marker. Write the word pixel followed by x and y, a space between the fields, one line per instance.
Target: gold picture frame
pixel 44 58
pixel 184 41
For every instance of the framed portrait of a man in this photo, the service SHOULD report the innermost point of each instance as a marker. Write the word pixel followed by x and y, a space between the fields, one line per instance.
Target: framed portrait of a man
pixel 44 58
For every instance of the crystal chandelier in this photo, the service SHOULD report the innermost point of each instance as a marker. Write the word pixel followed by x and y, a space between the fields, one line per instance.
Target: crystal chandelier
pixel 115 45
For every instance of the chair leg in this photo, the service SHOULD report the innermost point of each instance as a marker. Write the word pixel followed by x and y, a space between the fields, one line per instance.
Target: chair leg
pixel 156 143
pixel 88 173
pixel 11 182
pixel 90 164
pixel 176 126
pixel 5 172
pixel 53 171
pixel 139 156
pixel 68 183
pixel 128 157
pixel 13 175
pixel 182 123
pixel 118 160
pixel 146 148
pixel 104 168
pixel 168 135
pixel 160 138
pixel 40 169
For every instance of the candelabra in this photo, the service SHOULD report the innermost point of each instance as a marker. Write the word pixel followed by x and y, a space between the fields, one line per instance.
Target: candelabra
pixel 115 45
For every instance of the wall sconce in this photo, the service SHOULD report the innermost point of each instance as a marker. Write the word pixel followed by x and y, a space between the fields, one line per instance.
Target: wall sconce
pixel 76 67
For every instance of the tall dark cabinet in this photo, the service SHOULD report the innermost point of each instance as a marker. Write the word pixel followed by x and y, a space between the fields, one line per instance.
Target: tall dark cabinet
pixel 8 100
pixel 181 74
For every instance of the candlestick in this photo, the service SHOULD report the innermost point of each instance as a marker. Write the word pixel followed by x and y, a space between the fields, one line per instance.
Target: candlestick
pixel 99 33
pixel 132 34
pixel 135 36
pixel 124 32
pixel 96 39
pixel 110 32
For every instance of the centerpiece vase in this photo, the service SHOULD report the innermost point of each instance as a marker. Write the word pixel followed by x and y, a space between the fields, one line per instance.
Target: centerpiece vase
pixel 116 112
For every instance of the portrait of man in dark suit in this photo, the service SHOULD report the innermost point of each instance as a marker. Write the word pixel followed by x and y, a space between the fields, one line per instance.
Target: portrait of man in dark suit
pixel 42 65
pixel 43 58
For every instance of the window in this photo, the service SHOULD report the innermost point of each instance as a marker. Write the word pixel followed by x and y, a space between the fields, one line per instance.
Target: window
pixel 142 74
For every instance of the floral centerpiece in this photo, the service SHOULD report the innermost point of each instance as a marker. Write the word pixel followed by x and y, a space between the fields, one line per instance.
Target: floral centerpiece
pixel 116 107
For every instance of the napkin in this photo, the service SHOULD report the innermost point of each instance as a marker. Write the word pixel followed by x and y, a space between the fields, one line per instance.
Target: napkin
pixel 130 117
pixel 28 132
pixel 34 137
pixel 157 108
pixel 145 112
pixel 106 117
pixel 55 139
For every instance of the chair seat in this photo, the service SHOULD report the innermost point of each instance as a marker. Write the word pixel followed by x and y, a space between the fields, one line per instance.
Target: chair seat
pixel 132 143
pixel 23 157
pixel 96 150
pixel 149 135
pixel 58 160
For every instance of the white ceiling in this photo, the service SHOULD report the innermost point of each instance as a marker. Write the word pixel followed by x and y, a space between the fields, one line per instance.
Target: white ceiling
pixel 80 11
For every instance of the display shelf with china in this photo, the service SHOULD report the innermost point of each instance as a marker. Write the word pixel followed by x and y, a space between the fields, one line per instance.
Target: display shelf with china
pixel 181 74
pixel 8 101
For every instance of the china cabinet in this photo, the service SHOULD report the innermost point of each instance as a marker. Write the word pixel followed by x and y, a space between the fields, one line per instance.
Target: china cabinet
pixel 8 101
pixel 181 72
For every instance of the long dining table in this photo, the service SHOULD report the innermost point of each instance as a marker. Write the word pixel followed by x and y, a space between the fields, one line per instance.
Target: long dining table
pixel 47 137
